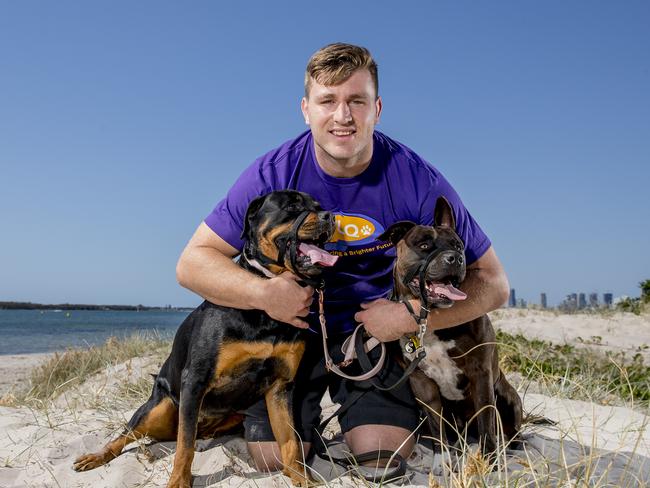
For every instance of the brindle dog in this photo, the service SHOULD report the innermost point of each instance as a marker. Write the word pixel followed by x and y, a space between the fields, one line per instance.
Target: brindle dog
pixel 223 359
pixel 459 379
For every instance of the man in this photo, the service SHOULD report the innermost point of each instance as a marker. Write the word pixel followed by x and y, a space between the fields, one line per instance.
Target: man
pixel 368 181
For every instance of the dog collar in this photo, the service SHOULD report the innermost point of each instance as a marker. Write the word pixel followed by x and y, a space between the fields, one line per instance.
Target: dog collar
pixel 256 265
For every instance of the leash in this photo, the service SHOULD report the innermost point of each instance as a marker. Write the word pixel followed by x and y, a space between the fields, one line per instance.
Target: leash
pixel 354 346
pixel 357 336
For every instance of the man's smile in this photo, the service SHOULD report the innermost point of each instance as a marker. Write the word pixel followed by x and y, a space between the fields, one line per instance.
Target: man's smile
pixel 342 133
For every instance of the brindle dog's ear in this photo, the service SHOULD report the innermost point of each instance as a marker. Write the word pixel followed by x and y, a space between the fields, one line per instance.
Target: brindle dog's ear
pixel 252 210
pixel 397 231
pixel 443 215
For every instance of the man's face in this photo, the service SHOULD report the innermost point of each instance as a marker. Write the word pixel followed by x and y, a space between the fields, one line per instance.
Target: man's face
pixel 342 119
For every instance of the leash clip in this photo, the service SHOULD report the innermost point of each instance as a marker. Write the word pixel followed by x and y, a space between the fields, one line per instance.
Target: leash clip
pixel 415 344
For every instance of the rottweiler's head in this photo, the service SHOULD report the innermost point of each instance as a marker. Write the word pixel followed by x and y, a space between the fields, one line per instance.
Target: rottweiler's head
pixel 441 246
pixel 270 233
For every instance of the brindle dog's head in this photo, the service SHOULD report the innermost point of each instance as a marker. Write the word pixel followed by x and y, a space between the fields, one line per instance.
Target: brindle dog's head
pixel 269 228
pixel 415 244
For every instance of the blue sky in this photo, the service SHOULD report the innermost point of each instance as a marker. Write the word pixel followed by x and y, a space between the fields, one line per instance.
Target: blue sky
pixel 123 123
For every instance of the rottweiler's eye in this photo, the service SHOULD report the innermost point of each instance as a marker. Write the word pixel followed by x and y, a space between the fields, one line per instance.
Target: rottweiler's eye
pixel 293 208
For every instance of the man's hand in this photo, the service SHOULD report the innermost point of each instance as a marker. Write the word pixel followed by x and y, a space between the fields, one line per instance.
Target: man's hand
pixel 385 320
pixel 283 299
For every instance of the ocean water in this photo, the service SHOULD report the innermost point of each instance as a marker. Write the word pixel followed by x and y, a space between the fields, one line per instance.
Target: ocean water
pixel 31 331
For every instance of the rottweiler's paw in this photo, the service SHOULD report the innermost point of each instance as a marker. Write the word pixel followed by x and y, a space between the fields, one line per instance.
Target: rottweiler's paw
pixel 177 482
pixel 303 482
pixel 299 477
pixel 91 461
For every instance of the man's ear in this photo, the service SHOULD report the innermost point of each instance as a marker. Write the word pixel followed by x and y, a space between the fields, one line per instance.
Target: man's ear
pixel 443 214
pixel 303 108
pixel 397 231
pixel 251 212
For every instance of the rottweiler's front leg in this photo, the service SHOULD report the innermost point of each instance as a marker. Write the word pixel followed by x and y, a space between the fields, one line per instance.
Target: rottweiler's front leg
pixel 278 404
pixel 192 391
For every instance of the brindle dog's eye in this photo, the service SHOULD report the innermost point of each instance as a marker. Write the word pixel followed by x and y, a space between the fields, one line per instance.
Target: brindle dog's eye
pixel 424 246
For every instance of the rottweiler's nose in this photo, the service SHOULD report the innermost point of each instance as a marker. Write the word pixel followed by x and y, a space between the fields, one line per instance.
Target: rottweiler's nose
pixel 327 216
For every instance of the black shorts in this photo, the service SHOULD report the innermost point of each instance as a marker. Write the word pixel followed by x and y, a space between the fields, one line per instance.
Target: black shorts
pixel 397 407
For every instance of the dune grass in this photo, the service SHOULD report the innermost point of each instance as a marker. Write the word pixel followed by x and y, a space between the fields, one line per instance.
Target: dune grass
pixel 577 373
pixel 74 366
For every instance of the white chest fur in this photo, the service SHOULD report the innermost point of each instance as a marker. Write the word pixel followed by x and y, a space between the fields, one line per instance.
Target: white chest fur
pixel 438 366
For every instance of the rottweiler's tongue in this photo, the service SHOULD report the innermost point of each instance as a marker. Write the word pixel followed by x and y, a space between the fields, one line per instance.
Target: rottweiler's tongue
pixel 449 291
pixel 317 255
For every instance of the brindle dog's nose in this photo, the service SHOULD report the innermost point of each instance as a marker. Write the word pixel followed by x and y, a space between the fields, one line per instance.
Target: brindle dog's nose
pixel 451 259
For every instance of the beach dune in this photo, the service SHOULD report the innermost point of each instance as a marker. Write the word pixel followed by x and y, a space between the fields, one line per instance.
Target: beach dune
pixel 601 445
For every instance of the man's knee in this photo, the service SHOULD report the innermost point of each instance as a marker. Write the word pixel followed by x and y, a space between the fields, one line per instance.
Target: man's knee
pixel 267 455
pixel 372 437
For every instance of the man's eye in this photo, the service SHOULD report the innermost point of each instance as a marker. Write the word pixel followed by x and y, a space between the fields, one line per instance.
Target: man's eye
pixel 359 102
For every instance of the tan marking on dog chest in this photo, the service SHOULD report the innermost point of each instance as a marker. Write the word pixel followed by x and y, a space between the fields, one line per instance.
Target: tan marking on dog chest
pixel 234 353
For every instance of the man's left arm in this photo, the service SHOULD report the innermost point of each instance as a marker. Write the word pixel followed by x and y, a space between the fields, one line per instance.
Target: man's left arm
pixel 485 284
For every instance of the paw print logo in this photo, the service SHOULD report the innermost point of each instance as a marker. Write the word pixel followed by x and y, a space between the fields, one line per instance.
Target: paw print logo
pixel 366 230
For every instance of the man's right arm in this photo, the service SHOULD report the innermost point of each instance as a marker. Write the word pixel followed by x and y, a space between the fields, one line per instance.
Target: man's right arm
pixel 206 268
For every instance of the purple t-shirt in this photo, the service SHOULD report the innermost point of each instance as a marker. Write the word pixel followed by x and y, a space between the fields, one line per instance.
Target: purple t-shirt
pixel 397 185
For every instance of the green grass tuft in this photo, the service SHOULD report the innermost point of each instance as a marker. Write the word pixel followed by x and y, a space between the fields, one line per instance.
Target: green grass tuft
pixel 579 372
pixel 74 366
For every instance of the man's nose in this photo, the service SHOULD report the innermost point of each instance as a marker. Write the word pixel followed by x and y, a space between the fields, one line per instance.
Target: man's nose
pixel 342 114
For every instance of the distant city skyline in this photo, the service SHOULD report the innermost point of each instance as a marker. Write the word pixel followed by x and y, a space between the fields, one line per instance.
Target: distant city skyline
pixel 572 300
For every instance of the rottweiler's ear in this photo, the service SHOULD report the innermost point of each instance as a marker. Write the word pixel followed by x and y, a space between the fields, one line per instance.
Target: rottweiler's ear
pixel 252 210
pixel 443 215
pixel 397 231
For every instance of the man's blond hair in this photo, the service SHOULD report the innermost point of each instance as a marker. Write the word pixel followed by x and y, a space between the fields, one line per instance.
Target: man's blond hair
pixel 335 63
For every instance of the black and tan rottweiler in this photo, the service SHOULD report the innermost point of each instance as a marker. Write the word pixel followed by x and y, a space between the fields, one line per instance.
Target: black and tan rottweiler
pixel 223 359
pixel 459 379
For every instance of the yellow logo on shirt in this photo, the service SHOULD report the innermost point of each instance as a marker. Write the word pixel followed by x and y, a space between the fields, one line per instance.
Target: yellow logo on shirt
pixel 352 228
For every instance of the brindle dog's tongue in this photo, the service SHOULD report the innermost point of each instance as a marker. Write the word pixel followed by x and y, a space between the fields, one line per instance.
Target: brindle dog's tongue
pixel 449 291
pixel 317 255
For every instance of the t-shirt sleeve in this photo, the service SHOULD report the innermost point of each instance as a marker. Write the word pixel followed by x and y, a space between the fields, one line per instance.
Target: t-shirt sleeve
pixel 476 242
pixel 227 218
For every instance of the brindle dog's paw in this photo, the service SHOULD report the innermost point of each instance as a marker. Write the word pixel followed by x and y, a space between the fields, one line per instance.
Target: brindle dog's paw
pixel 91 461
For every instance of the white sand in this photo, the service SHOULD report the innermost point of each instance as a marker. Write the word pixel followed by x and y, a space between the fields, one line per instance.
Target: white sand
pixel 608 445
pixel 15 369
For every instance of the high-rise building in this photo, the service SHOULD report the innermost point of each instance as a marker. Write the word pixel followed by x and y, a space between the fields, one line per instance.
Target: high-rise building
pixel 593 300
pixel 521 303
pixel 582 301
pixel 608 298
pixel 570 303
pixel 512 301
pixel 542 300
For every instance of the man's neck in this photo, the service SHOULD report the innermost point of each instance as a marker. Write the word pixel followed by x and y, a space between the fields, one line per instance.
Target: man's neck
pixel 342 168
